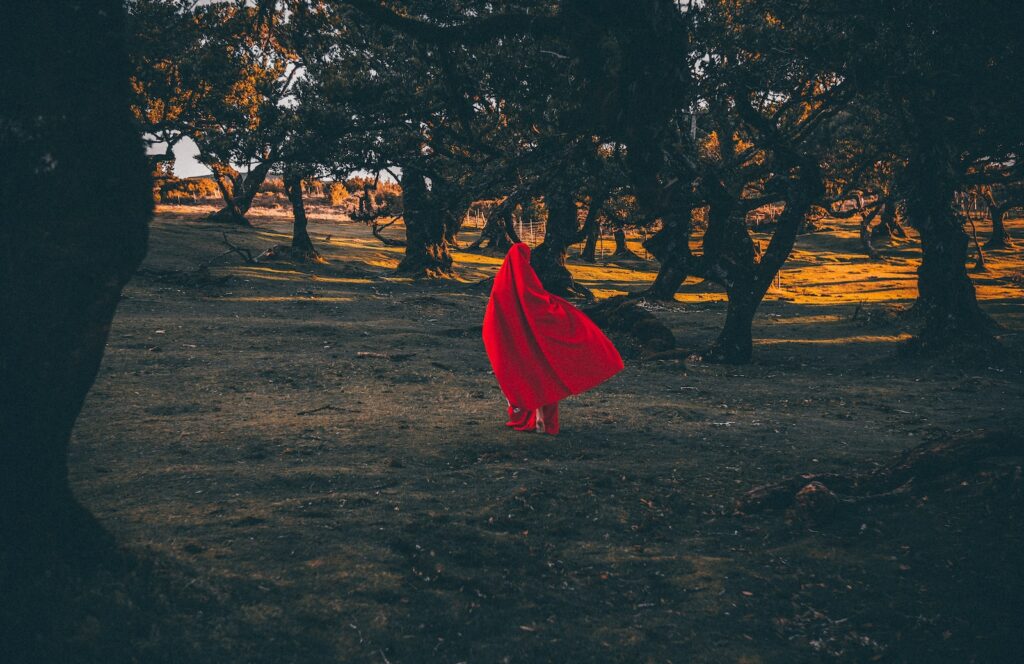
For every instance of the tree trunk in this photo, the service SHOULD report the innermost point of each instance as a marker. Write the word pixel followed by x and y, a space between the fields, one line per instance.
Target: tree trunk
pixel 453 214
pixel 748 280
pixel 866 232
pixel 548 259
pixel 671 247
pixel 495 234
pixel 591 230
pixel 622 250
pixel 63 259
pixel 735 344
pixel 426 247
pixel 730 259
pixel 1000 239
pixel 589 251
pixel 889 226
pixel 504 236
pixel 498 231
pixel 239 198
pixel 302 245
pixel 979 265
pixel 946 296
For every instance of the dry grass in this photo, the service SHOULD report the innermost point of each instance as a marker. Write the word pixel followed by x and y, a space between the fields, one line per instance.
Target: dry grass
pixel 330 506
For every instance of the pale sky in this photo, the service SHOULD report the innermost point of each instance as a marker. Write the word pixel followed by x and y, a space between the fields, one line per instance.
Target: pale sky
pixel 185 164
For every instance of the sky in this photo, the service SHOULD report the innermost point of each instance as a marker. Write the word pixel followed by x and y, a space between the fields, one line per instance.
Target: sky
pixel 185 164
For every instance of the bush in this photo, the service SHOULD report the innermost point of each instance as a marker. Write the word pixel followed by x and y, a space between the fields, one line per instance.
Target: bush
pixel 338 194
pixel 188 190
pixel 274 185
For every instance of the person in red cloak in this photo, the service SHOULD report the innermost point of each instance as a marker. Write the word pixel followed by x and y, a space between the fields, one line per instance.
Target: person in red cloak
pixel 541 347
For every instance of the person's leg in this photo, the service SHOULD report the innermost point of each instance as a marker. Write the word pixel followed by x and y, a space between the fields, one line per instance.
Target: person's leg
pixel 550 413
pixel 543 420
pixel 540 420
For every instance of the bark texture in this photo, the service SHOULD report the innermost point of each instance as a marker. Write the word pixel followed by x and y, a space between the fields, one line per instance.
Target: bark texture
pixel 429 227
pixel 238 192
pixel 548 259
pixel 671 247
pixel 302 245
pixel 65 128
pixel 731 258
pixel 946 295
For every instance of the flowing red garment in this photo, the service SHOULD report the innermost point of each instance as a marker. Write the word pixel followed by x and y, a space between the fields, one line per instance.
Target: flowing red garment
pixel 541 347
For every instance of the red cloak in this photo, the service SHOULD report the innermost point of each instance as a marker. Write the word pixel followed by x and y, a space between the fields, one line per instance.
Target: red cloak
pixel 542 348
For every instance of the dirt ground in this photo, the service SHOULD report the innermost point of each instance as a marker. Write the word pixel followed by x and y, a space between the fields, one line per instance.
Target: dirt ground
pixel 309 464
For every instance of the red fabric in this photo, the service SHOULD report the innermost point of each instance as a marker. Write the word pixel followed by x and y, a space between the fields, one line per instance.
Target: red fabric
pixel 542 348
pixel 522 419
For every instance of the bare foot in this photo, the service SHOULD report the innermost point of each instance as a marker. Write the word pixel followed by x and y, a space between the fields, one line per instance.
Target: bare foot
pixel 540 420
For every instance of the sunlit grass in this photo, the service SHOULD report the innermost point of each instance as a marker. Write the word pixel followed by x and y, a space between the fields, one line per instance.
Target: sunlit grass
pixel 826 268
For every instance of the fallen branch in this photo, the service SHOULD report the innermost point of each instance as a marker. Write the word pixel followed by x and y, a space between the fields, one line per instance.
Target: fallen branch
pixel 394 357
pixel 376 229
pixel 818 496
pixel 317 410
pixel 242 252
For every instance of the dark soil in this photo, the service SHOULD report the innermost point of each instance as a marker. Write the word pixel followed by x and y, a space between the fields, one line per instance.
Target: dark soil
pixel 307 463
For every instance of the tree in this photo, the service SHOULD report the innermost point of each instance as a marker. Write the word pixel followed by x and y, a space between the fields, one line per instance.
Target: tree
pixel 764 120
pixel 65 126
pixel 576 70
pixel 252 68
pixel 165 46
pixel 946 78
pixel 221 74
pixel 1011 197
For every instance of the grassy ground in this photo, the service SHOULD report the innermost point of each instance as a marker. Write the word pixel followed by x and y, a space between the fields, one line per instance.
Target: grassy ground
pixel 310 464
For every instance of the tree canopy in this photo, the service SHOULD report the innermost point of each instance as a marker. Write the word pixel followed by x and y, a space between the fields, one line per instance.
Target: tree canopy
pixel 714 110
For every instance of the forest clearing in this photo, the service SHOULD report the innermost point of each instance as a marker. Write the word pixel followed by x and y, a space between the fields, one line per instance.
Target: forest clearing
pixel 470 331
pixel 315 452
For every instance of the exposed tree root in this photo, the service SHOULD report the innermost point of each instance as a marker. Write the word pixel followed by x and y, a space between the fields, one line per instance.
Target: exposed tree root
pixel 287 252
pixel 623 317
pixel 819 498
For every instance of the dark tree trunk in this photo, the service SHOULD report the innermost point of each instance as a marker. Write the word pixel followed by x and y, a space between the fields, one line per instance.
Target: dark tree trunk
pixel 453 213
pixel 302 245
pixel 63 258
pixel 505 235
pixel 946 296
pixel 591 230
pixel 889 226
pixel 548 259
pixel 622 250
pixel 498 232
pixel 589 251
pixel 495 234
pixel 730 259
pixel 671 247
pixel 866 233
pixel 747 280
pixel 426 231
pixel 999 239
pixel 735 344
pixel 979 264
pixel 238 199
